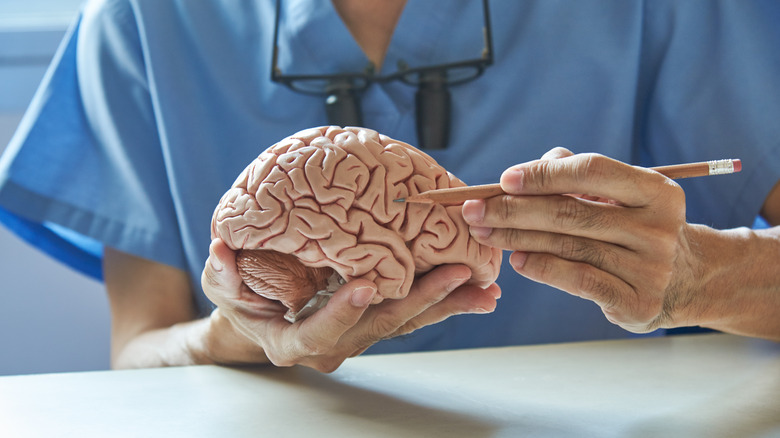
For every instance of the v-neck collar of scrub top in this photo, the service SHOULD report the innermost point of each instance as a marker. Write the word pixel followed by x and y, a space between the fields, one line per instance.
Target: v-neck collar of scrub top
pixel 314 40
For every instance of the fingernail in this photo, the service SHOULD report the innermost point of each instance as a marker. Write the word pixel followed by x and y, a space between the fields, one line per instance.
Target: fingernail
pixel 480 232
pixel 512 180
pixel 474 211
pixel 517 259
pixel 362 296
pixel 481 310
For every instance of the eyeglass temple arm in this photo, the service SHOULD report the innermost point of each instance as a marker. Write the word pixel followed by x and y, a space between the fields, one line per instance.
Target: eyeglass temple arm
pixel 487 30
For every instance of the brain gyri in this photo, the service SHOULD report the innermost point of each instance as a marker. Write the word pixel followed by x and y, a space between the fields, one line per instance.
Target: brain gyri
pixel 321 201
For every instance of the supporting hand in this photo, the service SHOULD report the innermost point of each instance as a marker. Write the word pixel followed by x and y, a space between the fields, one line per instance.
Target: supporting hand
pixel 246 325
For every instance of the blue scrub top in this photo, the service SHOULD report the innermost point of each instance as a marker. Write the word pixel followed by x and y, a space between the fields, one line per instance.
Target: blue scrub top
pixel 151 109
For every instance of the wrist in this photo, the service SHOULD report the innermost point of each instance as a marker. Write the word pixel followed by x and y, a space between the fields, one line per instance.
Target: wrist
pixel 178 345
pixel 734 288
pixel 702 298
pixel 199 344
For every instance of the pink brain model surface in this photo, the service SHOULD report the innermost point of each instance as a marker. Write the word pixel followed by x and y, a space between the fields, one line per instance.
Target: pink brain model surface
pixel 321 201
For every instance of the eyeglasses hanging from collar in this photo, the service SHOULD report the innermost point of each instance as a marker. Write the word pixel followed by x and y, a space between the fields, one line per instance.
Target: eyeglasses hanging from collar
pixel 432 100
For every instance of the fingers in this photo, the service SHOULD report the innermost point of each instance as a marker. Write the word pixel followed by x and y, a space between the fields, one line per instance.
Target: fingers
pixel 556 214
pixel 433 297
pixel 220 278
pixel 223 285
pixel 616 242
pixel 626 265
pixel 426 292
pixel 589 174
pixel 316 341
pixel 620 302
pixel 609 257
pixel 580 279
pixel 465 299
pixel 321 331
pixel 347 325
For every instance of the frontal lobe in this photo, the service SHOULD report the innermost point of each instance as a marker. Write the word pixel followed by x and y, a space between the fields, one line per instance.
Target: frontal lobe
pixel 324 196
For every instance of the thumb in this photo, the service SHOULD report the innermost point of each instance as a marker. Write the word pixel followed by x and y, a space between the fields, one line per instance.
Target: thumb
pixel 556 153
pixel 512 178
pixel 220 274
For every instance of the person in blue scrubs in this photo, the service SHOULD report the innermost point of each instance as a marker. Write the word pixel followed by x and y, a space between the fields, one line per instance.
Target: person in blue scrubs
pixel 152 108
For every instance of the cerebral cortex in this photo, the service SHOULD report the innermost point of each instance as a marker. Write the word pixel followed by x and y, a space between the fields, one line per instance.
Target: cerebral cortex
pixel 321 201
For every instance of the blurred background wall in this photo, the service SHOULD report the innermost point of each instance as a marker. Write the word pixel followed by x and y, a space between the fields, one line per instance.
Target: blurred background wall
pixel 52 319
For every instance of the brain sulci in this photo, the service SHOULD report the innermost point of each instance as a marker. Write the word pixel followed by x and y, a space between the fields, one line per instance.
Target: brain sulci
pixel 321 201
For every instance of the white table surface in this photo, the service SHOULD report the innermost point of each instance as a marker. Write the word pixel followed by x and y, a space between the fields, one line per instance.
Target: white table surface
pixel 686 386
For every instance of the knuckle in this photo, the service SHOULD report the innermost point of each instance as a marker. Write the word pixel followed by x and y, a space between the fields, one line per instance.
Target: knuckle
pixel 566 213
pixel 208 280
pixel 671 200
pixel 572 248
pixel 432 298
pixel 313 345
pixel 567 248
pixel 644 316
pixel 327 365
pixel 513 239
pixel 557 152
pixel 648 313
pixel 383 325
pixel 507 209
pixel 661 278
pixel 611 317
pixel 597 258
pixel 365 340
pixel 544 267
pixel 591 284
pixel 677 199
pixel 342 320
pixel 538 176
pixel 413 325
pixel 647 308
pixel 594 168
pixel 600 257
pixel 409 327
pixel 573 213
pixel 279 359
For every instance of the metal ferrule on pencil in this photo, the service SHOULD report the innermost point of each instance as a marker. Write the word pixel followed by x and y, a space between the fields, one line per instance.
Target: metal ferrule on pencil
pixel 721 167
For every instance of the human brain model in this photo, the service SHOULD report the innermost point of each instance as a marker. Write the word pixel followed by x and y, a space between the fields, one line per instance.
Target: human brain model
pixel 316 209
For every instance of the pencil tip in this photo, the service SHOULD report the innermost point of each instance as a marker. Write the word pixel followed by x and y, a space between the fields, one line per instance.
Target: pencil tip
pixel 399 200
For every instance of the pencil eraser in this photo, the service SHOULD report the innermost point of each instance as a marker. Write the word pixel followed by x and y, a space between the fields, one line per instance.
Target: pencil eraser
pixel 737 165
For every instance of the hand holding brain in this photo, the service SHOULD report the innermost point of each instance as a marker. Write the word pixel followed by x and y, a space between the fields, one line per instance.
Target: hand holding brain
pixel 321 201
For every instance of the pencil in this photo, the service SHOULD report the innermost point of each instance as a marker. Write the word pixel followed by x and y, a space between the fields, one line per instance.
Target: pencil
pixel 457 195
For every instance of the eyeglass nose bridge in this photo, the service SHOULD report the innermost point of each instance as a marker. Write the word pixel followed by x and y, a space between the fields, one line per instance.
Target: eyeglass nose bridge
pixel 342 102
pixel 432 105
